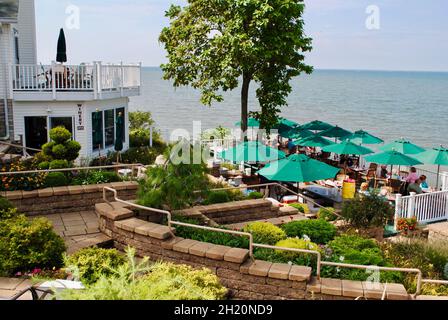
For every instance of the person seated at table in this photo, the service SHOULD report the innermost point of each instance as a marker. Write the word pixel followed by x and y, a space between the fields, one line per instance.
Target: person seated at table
pixel 383 172
pixel 423 183
pixel 415 187
pixel 395 174
pixel 413 176
pixel 291 146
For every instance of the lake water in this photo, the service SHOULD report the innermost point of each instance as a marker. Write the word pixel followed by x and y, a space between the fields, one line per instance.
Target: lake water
pixel 390 105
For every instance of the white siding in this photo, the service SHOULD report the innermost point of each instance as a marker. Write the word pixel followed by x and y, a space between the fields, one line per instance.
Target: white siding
pixel 27 32
pixel 6 57
pixel 69 109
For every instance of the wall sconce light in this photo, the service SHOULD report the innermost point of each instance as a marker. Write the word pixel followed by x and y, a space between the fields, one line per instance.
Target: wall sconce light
pixel 49 110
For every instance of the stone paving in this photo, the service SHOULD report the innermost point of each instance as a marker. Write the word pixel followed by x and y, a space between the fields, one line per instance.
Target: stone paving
pixel 79 229
pixel 11 286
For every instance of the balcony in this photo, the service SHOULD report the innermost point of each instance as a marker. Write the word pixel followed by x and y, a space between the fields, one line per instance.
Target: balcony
pixel 82 82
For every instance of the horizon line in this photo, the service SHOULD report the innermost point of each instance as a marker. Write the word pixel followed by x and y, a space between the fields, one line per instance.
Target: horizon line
pixel 362 70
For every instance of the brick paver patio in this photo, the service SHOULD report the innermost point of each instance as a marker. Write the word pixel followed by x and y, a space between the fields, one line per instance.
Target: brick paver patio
pixel 79 229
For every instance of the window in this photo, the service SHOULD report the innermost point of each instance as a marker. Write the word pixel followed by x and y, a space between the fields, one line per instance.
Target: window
pixel 66 122
pixel 123 128
pixel 97 130
pixel 109 126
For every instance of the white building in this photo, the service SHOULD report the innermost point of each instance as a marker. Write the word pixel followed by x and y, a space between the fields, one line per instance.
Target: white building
pixel 34 98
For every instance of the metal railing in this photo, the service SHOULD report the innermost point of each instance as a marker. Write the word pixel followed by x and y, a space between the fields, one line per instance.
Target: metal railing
pixel 252 245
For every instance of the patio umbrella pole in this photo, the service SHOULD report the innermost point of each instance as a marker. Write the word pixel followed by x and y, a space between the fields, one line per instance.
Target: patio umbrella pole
pixel 438 173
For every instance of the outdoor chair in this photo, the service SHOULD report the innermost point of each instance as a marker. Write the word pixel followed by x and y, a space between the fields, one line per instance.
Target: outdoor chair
pixel 395 184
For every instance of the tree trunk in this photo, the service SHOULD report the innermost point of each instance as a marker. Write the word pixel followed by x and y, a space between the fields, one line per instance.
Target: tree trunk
pixel 244 105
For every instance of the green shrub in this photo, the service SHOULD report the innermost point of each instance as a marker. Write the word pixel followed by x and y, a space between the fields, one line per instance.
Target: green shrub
pixel 354 249
pixel 56 179
pixel 327 214
pixel 8 213
pixel 367 211
pixel 319 231
pixel 92 263
pixel 303 208
pixel 60 135
pixel 26 244
pixel 280 256
pixel 58 164
pixel 160 281
pixel 60 147
pixel 95 177
pixel 5 204
pixel 255 195
pixel 44 165
pixel 430 258
pixel 224 239
pixel 173 186
pixel 59 151
pixel 72 149
pixel 143 155
pixel 47 149
pixel 217 197
pixel 265 233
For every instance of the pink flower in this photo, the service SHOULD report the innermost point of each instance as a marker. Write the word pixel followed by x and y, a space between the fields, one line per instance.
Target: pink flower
pixel 36 271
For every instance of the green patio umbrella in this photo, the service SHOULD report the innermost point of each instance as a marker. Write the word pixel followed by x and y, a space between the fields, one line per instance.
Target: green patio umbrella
pixel 119 133
pixel 363 137
pixel 316 126
pixel 436 156
pixel 347 148
pixel 61 55
pixel 404 146
pixel 97 129
pixel 298 168
pixel 335 132
pixel 251 123
pixel 251 151
pixel 313 141
pixel 297 133
pixel 285 125
pixel 393 158
pixel 287 122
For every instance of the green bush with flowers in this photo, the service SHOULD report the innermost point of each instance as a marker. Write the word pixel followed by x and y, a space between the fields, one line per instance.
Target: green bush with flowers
pixel 265 232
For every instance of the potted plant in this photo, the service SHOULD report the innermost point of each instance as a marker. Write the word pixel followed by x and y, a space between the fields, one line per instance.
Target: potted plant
pixel 407 226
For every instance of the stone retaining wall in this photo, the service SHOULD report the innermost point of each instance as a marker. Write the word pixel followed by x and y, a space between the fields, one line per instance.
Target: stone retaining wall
pixel 67 199
pixel 245 278
pixel 236 211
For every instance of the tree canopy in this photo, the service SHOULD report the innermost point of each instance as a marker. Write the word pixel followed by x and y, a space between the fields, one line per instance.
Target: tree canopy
pixel 216 45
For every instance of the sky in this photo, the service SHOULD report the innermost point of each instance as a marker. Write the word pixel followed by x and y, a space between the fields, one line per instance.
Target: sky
pixel 404 35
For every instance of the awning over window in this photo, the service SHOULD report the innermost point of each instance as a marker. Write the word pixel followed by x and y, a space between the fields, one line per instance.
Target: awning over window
pixel 9 10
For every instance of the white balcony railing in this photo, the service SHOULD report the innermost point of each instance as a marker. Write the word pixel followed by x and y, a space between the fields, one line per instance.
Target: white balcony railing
pixel 96 78
pixel 427 208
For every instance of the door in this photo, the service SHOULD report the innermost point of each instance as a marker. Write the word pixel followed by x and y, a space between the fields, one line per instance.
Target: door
pixel 36 134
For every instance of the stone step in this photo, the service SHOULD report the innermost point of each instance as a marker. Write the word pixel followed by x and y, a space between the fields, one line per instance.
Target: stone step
pixel 282 271
pixel 145 228
pixel 114 211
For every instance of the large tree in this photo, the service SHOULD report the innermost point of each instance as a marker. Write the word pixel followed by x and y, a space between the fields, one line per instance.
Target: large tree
pixel 213 45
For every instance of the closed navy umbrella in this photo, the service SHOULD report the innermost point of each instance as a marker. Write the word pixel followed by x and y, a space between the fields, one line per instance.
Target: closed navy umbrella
pixel 62 48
